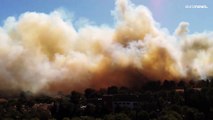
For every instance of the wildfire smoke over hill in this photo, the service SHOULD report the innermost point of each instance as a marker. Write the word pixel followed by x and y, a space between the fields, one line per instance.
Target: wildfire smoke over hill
pixel 44 52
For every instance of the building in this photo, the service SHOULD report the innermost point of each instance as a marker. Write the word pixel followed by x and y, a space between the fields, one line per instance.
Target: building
pixel 125 101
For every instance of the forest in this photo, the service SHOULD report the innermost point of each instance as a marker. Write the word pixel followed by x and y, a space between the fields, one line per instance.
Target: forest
pixel 155 100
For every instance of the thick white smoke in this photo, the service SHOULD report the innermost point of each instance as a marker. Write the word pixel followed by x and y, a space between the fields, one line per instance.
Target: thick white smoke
pixel 44 52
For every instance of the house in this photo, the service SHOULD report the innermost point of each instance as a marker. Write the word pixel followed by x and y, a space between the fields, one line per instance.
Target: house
pixel 183 90
pixel 180 91
pixel 107 102
pixel 3 100
pixel 127 101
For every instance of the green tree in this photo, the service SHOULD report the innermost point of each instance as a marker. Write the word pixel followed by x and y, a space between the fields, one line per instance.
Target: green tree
pixel 170 115
pixel 143 115
pixel 90 93
pixel 112 90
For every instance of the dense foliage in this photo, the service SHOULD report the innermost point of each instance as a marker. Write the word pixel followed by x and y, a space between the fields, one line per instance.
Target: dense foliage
pixel 168 100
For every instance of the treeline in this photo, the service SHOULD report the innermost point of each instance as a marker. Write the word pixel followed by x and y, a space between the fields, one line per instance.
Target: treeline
pixel 168 100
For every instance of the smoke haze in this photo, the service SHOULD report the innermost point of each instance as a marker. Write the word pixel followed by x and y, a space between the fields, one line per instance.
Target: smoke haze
pixel 45 53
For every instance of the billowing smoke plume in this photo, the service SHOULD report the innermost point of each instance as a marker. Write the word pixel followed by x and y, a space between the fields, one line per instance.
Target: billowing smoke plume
pixel 44 52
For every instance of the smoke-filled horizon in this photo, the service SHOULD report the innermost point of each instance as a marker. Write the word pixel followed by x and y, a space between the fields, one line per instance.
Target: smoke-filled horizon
pixel 44 53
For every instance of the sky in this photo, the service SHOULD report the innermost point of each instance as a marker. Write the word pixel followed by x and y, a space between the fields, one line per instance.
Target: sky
pixel 169 13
